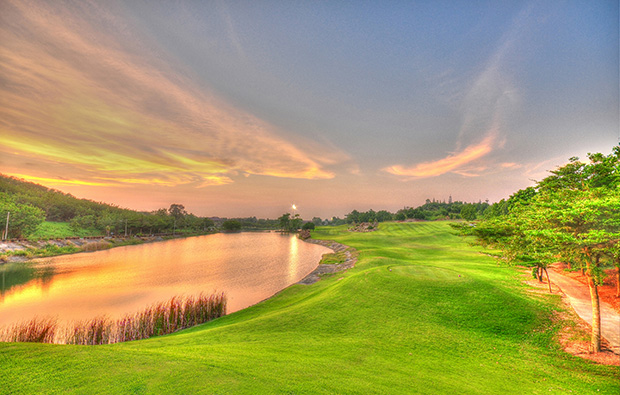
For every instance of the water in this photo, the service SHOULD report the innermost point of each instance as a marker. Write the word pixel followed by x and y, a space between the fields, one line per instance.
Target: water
pixel 248 267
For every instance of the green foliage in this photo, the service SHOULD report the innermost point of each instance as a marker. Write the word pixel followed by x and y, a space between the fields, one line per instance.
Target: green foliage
pixel 573 216
pixel 469 212
pixel 231 225
pixel 24 219
pixel 289 223
pixel 308 226
pixel 92 218
pixel 317 221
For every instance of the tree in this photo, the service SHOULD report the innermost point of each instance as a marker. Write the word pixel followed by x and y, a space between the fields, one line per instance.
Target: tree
pixel 469 212
pixel 231 225
pixel 383 216
pixel 288 223
pixel 24 219
pixel 575 224
pixel 207 223
pixel 308 226
pixel 285 222
pixel 572 215
pixel 353 217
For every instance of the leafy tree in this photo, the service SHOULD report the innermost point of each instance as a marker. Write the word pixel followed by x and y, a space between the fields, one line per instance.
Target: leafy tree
pixel 24 219
pixel 308 226
pixel 469 212
pixel 575 224
pixel 288 223
pixel 207 223
pixel 285 222
pixel 353 217
pixel 231 225
pixel 335 221
pixel 383 216
pixel 572 215
pixel 317 221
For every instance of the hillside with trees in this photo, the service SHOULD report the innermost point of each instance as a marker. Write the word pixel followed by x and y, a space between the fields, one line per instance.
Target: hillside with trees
pixel 29 205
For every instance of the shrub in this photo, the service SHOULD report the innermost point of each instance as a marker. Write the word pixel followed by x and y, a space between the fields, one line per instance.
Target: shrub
pixel 308 226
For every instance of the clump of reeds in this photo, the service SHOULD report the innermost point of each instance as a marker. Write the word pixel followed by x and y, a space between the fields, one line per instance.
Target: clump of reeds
pixel 37 330
pixel 95 331
pixel 171 316
pixel 156 320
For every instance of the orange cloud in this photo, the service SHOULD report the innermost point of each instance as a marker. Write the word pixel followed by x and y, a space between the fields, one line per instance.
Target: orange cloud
pixel 52 182
pixel 451 163
pixel 85 99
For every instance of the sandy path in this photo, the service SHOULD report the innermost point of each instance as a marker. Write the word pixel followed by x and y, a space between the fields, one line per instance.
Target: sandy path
pixel 579 297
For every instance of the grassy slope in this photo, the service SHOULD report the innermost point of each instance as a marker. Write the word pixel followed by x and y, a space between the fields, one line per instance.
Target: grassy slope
pixel 60 230
pixel 444 319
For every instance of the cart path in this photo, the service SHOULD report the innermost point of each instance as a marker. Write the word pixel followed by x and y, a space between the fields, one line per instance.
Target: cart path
pixel 578 295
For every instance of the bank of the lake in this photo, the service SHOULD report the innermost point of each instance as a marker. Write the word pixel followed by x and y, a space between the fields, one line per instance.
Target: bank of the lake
pixel 422 311
pixel 25 249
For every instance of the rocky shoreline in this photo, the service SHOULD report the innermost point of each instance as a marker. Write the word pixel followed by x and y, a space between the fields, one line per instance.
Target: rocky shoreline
pixel 350 260
pixel 81 244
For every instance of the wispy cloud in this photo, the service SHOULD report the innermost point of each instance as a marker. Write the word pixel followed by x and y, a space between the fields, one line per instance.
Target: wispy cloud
pixel 451 163
pixel 71 94
pixel 491 96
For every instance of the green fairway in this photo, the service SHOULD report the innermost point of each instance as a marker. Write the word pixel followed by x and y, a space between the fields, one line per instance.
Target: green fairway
pixel 422 312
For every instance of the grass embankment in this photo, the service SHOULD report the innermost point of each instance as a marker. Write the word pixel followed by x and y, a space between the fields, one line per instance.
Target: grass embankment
pixel 59 230
pixel 422 312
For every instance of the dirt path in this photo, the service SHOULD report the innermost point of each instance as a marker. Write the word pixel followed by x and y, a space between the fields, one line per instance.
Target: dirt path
pixel 579 297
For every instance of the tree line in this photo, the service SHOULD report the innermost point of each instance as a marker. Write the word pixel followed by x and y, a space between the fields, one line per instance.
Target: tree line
pixel 431 210
pixel 28 205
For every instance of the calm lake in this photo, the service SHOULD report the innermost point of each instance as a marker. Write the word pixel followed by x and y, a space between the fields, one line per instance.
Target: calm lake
pixel 248 267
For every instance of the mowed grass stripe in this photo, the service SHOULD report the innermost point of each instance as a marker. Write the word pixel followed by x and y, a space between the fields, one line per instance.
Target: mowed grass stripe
pixel 422 312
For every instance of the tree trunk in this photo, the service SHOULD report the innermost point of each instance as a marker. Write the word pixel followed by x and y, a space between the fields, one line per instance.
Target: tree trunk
pixel 618 281
pixel 596 307
pixel 548 281
pixel 596 316
pixel 539 274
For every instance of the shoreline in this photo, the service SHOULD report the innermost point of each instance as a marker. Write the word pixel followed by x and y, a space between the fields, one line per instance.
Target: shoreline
pixel 350 261
pixel 27 250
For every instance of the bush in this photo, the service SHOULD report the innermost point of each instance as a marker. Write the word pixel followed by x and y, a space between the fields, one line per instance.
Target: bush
pixel 231 225
pixel 308 226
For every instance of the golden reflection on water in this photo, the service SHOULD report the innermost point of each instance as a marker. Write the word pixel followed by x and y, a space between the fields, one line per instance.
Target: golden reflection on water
pixel 293 257
pixel 248 267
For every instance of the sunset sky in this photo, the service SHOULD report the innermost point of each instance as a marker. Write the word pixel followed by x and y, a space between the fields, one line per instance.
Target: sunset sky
pixel 242 108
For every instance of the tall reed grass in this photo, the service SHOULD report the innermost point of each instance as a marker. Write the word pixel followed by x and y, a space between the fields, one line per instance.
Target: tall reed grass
pixel 158 319
pixel 37 330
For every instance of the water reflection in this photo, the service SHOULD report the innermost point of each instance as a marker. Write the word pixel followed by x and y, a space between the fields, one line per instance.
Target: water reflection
pixel 15 275
pixel 248 267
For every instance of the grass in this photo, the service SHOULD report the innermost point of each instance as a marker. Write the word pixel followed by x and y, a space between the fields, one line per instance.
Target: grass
pixel 59 230
pixel 47 250
pixel 422 312
pixel 333 258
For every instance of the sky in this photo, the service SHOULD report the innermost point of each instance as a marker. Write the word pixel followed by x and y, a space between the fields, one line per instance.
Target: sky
pixel 243 108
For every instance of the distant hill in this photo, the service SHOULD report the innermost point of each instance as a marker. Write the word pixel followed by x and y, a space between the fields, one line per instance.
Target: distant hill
pixel 58 206
pixel 30 203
